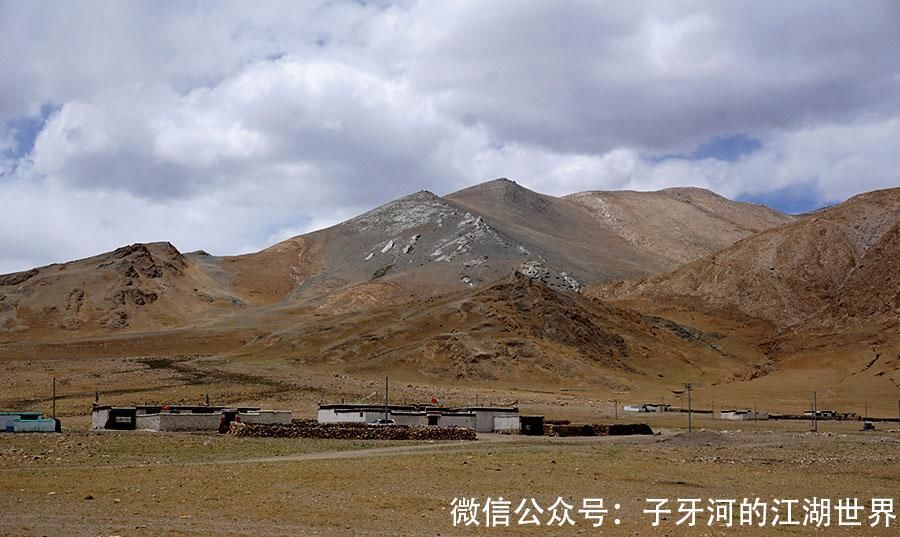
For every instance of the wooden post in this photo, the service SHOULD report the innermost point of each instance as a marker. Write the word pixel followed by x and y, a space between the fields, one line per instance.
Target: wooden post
pixel 815 415
pixel 690 425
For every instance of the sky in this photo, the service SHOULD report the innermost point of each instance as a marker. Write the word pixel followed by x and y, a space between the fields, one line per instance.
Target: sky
pixel 228 126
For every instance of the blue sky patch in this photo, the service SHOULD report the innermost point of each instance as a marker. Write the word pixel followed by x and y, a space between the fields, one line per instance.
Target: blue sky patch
pixel 728 148
pixel 794 199
pixel 26 129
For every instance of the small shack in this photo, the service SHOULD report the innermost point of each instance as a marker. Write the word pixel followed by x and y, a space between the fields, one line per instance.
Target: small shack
pixel 531 425
pixel 28 422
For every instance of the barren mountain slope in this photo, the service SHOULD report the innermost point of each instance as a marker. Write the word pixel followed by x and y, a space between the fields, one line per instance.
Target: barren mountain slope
pixel 870 296
pixel 515 331
pixel 145 286
pixel 785 275
pixel 421 245
pixel 678 225
pixel 561 231
pixel 417 246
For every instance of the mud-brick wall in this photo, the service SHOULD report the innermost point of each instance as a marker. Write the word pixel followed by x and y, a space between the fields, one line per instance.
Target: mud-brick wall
pixel 179 422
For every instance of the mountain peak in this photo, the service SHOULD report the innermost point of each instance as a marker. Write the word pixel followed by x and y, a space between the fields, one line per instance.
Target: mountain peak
pixel 421 195
pixel 501 185
pixel 690 190
pixel 502 192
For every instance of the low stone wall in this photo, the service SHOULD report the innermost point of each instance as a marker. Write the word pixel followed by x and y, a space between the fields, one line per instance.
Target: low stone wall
pixel 349 431
pixel 616 429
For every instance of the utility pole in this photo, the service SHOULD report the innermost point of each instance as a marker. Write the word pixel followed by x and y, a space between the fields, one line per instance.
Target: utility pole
pixel 866 411
pixel 688 386
pixel 386 409
pixel 54 397
pixel 615 409
pixel 815 415
pixel 754 410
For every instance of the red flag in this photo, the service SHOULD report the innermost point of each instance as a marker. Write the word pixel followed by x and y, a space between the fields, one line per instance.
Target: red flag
pixel 434 400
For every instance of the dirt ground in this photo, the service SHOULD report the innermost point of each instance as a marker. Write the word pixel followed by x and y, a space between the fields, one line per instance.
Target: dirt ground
pixel 151 484
pixel 136 483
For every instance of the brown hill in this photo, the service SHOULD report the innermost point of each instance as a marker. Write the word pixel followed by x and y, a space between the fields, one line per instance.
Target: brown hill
pixel 418 246
pixel 515 330
pixel 424 245
pixel 420 288
pixel 817 297
pixel 678 225
pixel 834 265
pixel 561 232
pixel 148 286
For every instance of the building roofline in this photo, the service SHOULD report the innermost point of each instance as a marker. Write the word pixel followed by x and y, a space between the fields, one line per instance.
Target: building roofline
pixel 356 407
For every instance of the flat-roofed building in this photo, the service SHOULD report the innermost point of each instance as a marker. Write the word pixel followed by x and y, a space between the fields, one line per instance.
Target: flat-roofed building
pixel 181 417
pixel 28 422
pixel 479 418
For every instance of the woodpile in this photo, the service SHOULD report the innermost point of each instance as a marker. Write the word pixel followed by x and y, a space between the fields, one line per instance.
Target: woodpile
pixel 349 431
pixel 616 429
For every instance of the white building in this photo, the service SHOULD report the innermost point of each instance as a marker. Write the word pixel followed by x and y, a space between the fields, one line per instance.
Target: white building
pixel 27 422
pixel 181 417
pixel 646 407
pixel 742 415
pixel 482 419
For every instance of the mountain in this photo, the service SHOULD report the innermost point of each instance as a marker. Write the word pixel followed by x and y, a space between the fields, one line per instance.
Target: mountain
pixel 620 234
pixel 563 233
pixel 514 330
pixel 421 245
pixel 833 265
pixel 143 285
pixel 816 302
pixel 678 225
pixel 601 292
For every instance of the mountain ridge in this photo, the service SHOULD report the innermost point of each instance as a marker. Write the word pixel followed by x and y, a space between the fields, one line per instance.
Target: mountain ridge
pixel 417 245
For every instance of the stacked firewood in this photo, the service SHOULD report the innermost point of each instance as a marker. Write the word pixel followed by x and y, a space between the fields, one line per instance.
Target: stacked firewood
pixel 616 429
pixel 349 431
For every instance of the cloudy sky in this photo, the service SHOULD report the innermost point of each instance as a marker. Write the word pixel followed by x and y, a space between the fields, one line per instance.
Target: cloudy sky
pixel 229 126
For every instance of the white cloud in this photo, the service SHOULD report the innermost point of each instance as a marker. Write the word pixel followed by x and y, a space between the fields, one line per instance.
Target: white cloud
pixel 224 128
